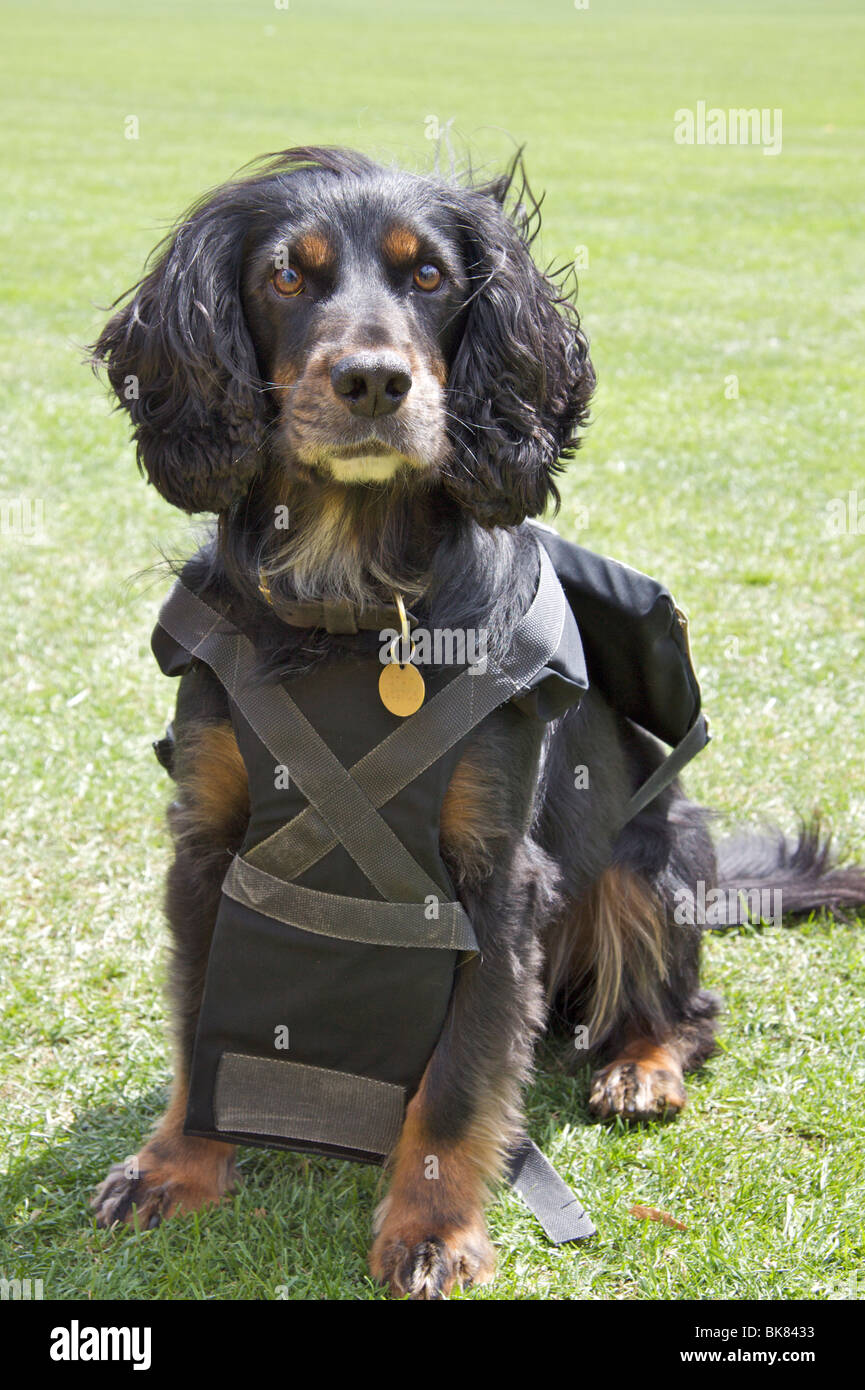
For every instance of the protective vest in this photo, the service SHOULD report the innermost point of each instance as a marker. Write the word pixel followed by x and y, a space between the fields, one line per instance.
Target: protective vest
pixel 339 931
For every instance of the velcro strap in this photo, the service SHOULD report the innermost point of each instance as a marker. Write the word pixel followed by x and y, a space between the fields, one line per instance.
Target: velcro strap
pixel 315 1105
pixel 693 743
pixel 350 919
pixel 557 1209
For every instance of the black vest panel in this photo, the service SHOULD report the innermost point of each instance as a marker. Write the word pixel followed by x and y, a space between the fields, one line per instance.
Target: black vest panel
pixel 319 1001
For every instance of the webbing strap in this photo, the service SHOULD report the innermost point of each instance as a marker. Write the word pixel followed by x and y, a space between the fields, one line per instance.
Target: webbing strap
pixel 695 739
pixel 440 723
pixel 351 919
pixel 270 1097
pixel 290 738
pixel 547 1196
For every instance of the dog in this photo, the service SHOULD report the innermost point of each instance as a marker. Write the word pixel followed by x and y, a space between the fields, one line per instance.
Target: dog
pixel 376 354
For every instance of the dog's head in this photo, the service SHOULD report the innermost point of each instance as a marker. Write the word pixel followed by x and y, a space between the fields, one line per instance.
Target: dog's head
pixel 328 315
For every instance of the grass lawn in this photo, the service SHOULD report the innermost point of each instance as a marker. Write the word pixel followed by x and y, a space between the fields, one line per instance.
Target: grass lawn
pixel 723 296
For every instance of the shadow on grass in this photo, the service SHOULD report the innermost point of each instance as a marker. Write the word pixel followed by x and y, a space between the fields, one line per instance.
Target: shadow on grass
pixel 294 1222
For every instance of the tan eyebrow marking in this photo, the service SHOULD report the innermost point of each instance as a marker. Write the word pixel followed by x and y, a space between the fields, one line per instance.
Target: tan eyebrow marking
pixel 400 245
pixel 314 250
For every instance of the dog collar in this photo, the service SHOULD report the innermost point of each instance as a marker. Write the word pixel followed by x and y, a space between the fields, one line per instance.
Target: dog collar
pixel 338 616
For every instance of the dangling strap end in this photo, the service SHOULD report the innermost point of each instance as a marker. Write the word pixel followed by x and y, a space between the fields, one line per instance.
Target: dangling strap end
pixel 555 1207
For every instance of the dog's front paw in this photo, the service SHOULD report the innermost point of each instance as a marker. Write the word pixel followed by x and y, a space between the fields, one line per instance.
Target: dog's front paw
pixel 145 1191
pixel 421 1258
pixel 636 1091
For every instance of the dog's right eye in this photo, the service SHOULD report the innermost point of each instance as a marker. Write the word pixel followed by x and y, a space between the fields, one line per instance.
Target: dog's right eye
pixel 287 281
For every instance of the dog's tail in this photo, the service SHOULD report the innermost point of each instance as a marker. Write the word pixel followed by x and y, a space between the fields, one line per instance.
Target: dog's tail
pixel 791 876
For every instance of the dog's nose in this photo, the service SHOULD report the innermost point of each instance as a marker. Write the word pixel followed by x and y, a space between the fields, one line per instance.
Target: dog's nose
pixel 372 383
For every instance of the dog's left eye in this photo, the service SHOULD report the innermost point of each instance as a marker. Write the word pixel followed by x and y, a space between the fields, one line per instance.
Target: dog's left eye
pixel 427 277
pixel 287 280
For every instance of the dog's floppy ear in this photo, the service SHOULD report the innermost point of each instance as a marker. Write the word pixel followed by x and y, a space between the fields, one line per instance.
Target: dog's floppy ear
pixel 181 361
pixel 520 382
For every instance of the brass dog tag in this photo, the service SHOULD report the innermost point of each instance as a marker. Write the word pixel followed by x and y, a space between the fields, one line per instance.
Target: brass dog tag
pixel 401 688
pixel 400 685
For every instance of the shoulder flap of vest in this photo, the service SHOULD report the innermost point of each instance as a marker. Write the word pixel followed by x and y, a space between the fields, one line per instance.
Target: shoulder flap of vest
pixel 634 636
pixel 173 659
pixel 561 682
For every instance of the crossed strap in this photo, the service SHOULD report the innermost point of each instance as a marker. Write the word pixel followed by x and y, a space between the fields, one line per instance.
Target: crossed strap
pixel 344 803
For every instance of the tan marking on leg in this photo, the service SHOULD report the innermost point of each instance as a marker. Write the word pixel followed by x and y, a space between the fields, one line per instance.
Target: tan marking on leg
pixel 430 1228
pixel 173 1172
pixel 654 1055
pixel 471 819
pixel 619 923
pixel 215 784
pixel 645 1082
